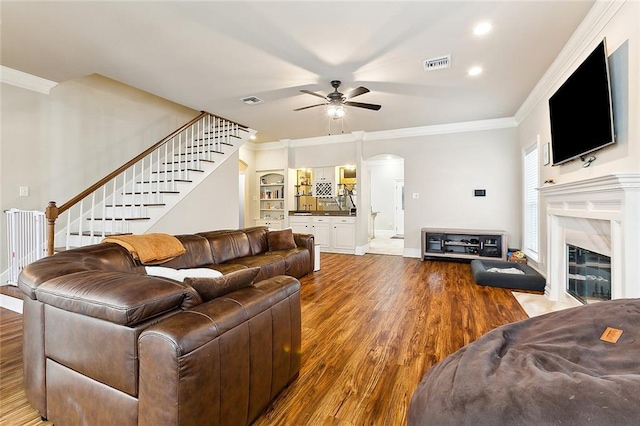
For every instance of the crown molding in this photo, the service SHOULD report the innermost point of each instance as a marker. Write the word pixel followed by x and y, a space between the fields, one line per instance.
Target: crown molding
pixel 441 129
pixel 26 81
pixel 586 36
pixel 468 126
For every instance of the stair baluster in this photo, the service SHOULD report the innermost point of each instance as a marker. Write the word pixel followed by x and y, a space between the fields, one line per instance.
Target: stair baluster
pixel 127 193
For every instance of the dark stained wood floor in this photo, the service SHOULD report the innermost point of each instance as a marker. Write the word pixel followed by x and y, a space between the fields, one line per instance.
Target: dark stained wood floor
pixel 372 326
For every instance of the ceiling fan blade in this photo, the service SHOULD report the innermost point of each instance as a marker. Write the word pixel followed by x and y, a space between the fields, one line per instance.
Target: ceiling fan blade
pixel 313 93
pixel 356 92
pixel 310 106
pixel 374 107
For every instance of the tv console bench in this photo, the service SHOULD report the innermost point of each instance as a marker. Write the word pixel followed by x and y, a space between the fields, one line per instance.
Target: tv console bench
pixel 465 244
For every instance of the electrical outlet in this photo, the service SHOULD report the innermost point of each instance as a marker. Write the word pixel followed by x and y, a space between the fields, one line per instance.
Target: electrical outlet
pixel 24 191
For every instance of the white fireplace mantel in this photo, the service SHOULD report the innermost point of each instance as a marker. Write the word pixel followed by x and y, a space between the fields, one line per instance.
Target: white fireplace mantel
pixel 600 214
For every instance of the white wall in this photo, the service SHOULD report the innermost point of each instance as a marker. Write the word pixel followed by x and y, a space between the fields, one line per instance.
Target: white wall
pixel 212 205
pixel 444 169
pixel 619 24
pixel 59 144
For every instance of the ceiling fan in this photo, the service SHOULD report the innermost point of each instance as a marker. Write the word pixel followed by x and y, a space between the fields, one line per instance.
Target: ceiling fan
pixel 336 101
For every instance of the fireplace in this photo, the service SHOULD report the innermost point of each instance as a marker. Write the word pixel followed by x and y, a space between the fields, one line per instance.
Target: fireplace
pixel 600 215
pixel 588 275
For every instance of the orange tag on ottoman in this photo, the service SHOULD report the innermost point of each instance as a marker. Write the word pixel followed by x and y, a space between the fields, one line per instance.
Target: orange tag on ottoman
pixel 611 335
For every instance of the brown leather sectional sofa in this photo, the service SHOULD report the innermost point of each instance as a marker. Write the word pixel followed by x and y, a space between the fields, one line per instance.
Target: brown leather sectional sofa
pixel 105 343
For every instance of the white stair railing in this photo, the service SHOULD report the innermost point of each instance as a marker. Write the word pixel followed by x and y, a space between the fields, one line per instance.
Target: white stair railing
pixel 126 194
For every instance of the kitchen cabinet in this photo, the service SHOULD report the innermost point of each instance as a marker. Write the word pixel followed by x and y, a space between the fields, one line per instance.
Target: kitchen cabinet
pixel 321 230
pixel 271 223
pixel 344 233
pixel 300 224
pixel 324 182
pixel 336 234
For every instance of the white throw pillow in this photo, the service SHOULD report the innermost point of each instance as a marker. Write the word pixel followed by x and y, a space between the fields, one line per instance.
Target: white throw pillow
pixel 181 274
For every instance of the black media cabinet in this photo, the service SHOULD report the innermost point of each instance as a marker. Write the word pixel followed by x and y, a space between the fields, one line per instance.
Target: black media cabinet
pixel 464 244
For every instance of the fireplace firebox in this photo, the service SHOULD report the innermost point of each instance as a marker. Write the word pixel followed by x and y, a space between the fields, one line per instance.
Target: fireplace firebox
pixel 588 275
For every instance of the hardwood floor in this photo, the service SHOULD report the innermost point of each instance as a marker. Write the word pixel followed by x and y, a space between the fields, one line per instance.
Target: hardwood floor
pixel 371 327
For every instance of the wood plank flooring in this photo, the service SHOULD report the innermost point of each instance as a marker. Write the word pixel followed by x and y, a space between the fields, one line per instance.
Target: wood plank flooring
pixel 371 327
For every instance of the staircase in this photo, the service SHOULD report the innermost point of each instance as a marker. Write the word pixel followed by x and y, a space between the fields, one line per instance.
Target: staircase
pixel 131 199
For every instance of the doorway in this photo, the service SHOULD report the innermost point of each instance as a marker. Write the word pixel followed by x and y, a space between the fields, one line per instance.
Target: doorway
pixel 386 183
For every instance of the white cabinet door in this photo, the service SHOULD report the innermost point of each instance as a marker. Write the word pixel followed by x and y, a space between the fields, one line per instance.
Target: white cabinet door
pixel 322 231
pixel 344 233
pixel 272 224
pixel 300 225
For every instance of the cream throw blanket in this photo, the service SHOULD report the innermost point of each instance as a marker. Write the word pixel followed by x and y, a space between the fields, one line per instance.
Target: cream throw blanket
pixel 149 249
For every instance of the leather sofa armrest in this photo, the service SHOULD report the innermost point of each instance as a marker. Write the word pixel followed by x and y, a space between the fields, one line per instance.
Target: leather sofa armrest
pixel 249 339
pixel 119 297
pixel 307 241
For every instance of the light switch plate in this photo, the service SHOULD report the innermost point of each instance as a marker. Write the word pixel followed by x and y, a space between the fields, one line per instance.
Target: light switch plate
pixel 24 191
pixel 416 195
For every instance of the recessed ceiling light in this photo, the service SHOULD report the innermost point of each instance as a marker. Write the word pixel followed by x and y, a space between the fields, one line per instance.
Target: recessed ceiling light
pixel 252 137
pixel 482 28
pixel 475 70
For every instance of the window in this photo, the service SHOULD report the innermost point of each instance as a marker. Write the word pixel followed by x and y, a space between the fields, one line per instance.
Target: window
pixel 531 203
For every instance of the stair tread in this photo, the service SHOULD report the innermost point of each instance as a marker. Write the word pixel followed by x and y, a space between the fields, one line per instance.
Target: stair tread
pixel 151 192
pixel 137 205
pixel 179 170
pixel 99 234
pixel 213 151
pixel 119 218
pixel 165 181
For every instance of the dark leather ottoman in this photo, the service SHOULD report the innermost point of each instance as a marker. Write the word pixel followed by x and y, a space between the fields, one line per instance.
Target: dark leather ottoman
pixel 530 280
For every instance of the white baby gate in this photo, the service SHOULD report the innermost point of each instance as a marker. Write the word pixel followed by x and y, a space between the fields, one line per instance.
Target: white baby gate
pixel 26 240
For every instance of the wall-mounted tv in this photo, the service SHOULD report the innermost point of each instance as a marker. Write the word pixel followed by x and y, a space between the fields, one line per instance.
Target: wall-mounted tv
pixel 581 112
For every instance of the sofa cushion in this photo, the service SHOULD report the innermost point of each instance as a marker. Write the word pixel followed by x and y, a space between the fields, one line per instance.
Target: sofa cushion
pixel 211 288
pixel 258 239
pixel 270 264
pixel 281 240
pixel 296 261
pixel 229 245
pixel 118 297
pixel 197 253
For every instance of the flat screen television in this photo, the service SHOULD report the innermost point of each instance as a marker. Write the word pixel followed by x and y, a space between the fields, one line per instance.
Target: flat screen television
pixel 581 112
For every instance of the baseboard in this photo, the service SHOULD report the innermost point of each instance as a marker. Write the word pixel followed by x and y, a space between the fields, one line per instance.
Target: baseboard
pixel 361 250
pixel 411 252
pixel 11 303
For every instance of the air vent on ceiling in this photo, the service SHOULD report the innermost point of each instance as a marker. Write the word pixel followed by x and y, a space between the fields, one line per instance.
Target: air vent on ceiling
pixel 437 63
pixel 252 100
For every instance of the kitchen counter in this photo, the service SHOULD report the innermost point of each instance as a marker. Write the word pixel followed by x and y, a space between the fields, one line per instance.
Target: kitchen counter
pixel 320 213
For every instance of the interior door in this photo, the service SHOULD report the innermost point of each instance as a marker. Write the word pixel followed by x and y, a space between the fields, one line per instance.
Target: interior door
pixel 399 207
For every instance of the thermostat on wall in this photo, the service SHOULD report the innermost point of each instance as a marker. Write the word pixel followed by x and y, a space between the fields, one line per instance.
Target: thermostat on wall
pixel 480 192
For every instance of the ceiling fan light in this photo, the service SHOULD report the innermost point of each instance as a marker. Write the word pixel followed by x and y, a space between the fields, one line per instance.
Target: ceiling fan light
pixel 332 111
pixel 340 111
